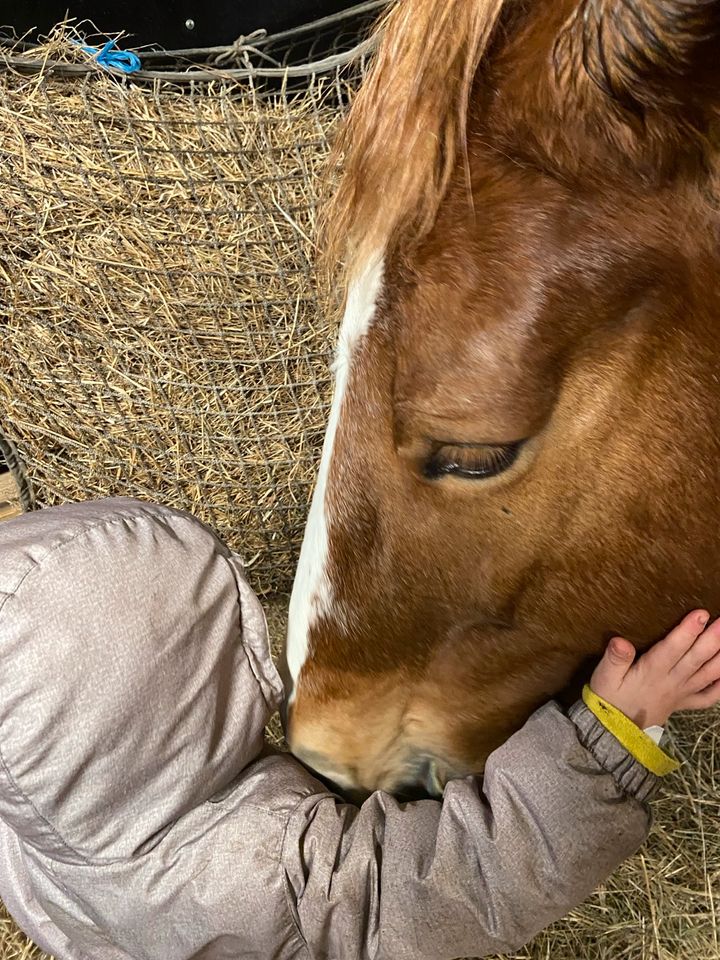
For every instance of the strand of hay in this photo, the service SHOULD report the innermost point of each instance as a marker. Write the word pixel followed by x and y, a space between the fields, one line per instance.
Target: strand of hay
pixel 162 334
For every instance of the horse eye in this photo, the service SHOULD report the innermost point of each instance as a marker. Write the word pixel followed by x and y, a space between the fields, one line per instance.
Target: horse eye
pixel 471 461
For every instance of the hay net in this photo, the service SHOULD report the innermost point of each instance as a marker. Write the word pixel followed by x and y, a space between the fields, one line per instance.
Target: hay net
pixel 162 333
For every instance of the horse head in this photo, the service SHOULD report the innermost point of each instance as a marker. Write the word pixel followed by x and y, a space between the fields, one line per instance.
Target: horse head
pixel 522 453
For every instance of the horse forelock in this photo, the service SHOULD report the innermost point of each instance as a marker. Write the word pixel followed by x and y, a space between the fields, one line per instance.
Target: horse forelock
pixel 398 149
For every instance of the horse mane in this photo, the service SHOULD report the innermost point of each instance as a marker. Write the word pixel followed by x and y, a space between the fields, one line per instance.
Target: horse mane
pixel 406 129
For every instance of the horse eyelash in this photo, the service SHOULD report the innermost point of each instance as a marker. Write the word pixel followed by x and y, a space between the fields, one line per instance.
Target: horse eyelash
pixel 491 460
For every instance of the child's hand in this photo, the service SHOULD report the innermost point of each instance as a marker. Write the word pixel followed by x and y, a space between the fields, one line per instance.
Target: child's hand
pixel 681 672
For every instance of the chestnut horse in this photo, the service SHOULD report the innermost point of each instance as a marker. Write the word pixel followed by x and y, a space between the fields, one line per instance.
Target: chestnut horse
pixel 522 454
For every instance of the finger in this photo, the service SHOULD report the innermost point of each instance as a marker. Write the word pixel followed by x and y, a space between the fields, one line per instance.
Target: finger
pixel 708 673
pixel 701 651
pixel 611 671
pixel 709 697
pixel 672 648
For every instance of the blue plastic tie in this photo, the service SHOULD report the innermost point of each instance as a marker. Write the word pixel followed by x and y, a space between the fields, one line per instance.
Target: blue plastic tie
pixel 110 56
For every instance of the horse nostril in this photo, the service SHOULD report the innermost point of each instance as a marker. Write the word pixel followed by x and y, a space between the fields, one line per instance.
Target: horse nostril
pixel 407 792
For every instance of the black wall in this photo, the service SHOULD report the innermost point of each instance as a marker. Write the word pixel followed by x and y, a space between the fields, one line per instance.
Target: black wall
pixel 216 22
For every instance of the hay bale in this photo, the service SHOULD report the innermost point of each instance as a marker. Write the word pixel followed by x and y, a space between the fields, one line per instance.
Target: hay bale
pixel 162 334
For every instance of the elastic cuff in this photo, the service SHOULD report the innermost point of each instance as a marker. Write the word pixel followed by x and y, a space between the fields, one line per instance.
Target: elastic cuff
pixel 629 774
pixel 635 740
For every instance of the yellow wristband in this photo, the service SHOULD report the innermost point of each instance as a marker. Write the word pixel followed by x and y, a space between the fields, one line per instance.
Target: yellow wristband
pixel 637 743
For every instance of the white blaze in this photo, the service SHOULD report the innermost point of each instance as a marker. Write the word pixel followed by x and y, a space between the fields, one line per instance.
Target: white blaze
pixel 312 591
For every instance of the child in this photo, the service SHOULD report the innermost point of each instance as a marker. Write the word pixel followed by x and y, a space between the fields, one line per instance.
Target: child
pixel 140 816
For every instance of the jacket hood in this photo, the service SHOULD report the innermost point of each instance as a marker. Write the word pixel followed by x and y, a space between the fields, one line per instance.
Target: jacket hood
pixel 86 590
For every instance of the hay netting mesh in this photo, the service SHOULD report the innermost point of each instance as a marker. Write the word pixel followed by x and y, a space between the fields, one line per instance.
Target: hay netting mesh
pixel 162 334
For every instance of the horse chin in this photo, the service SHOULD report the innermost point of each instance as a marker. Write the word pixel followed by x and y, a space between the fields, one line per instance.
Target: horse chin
pixel 417 778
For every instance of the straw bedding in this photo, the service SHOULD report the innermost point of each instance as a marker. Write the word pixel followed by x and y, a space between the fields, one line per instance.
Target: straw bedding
pixel 161 331
pixel 162 336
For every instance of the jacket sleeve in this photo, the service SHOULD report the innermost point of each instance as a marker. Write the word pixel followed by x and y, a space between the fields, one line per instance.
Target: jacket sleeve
pixel 561 805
